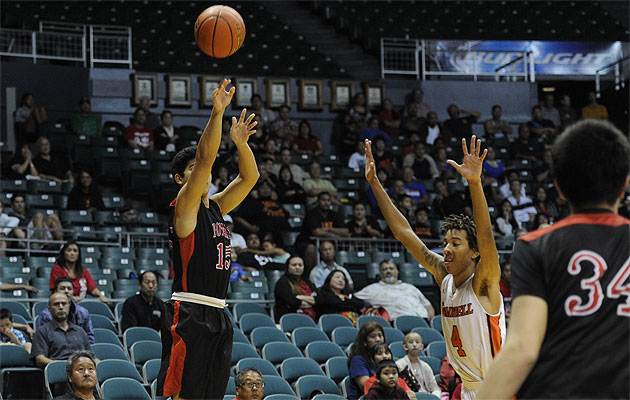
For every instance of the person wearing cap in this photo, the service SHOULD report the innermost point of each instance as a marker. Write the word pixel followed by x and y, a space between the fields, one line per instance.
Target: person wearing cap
pixel 85 122
pixel 238 241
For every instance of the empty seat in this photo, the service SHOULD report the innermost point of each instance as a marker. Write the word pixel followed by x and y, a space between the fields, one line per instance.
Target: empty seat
pixel 336 368
pixel 374 318
pixel 265 334
pixel 264 366
pixel 304 335
pixel 243 350
pixel 322 351
pixel 124 389
pixel 344 335
pixel 250 321
pixel 137 333
pixel 288 322
pixel 275 352
pixel 406 323
pixel 294 367
pixel 305 385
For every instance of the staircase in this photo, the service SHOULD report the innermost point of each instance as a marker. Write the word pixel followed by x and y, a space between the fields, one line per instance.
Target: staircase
pixel 345 54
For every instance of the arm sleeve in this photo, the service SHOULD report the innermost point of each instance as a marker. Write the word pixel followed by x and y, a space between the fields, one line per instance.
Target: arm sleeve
pixel 128 317
pixel 86 324
pixel 429 379
pixel 56 272
pixel 40 345
pixel 129 133
pixel 331 303
pixel 421 297
pixel 359 367
pixel 527 275
pixel 44 317
pixel 284 294
pixel 91 285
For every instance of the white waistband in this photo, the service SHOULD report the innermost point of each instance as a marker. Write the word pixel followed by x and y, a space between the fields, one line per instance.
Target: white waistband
pixel 199 299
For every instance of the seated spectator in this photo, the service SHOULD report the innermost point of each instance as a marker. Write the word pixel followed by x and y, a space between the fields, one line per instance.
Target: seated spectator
pixel 293 292
pixel 411 122
pixel 422 225
pixel 8 333
pixel 86 122
pixel 299 175
pixel 386 386
pixel 139 135
pixel 236 270
pixel 389 119
pixel 267 116
pixel 593 109
pixel 166 135
pixel 28 118
pixel 269 150
pixel 249 384
pixel 357 159
pixel 422 109
pixel 85 195
pixel 380 353
pixel 255 257
pixel 506 224
pixel 264 165
pixel 360 362
pixel 568 115
pixel 525 147
pixel 396 297
pixel 433 129
pixel 505 286
pixel 422 164
pixel 289 192
pixel 346 134
pixel 316 184
pixel 81 374
pixel 77 314
pixel 549 112
pixel 51 167
pixel 362 225
pixel 540 127
pixel 383 176
pixel 508 176
pixel 460 127
pixel 237 240
pixel 544 204
pixel 305 142
pixel 8 227
pixel 335 297
pixel 283 127
pixel 540 221
pixel 492 167
pixel 262 215
pixel 373 130
pixel 144 308
pixel 496 125
pixel 38 227
pixel 445 203
pixel 21 163
pixel 59 338
pixel 383 158
pixel 524 210
pixel 544 173
pixel 444 168
pixel 255 141
pixel 152 120
pixel 327 255
pixel 421 371
pixel 405 206
pixel 359 111
pixel 450 383
pixel 221 177
pixel 69 264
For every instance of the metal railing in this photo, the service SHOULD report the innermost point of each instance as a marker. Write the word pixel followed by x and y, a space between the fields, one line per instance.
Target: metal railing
pixel 620 74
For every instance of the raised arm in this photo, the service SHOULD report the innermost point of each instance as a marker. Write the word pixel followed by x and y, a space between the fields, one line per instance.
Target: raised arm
pixel 248 174
pixel 488 272
pixel 432 262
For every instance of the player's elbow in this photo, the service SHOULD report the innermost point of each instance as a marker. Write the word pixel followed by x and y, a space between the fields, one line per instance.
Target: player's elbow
pixel 527 352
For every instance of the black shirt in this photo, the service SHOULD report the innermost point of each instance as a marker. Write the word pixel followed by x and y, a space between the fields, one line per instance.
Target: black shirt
pixel 53 342
pixel 316 219
pixel 579 267
pixel 137 312
pixel 71 396
pixel 460 127
pixel 77 200
pixel 54 167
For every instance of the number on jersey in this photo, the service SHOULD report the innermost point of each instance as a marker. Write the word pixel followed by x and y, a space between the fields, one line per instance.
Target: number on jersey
pixel 223 257
pixel 456 341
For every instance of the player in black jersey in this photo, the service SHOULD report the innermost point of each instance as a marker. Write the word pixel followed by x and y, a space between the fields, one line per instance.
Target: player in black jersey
pixel 569 333
pixel 197 332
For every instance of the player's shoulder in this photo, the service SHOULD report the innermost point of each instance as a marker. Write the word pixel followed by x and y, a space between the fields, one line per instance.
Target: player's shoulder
pixel 595 219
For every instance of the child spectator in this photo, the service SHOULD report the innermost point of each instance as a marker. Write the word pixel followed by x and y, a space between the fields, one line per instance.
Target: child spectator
pixel 237 273
pixel 420 370
pixel 381 353
pixel 8 334
pixel 386 387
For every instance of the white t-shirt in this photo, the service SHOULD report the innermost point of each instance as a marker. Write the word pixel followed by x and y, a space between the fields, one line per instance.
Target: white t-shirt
pixel 398 298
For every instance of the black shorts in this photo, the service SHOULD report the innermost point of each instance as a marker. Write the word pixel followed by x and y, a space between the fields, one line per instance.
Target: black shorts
pixel 196 351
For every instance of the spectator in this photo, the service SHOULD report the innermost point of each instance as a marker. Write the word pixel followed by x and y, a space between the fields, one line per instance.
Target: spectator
pixel 445 203
pixel 593 109
pixel 422 164
pixel 139 135
pixel 549 112
pixel 346 134
pixel 85 195
pixel 335 297
pixel 316 184
pixel 51 167
pixel 152 120
pixel 540 221
pixel 386 386
pixel 21 163
pixel 38 227
pixel 263 215
pixel 293 292
pixel 361 225
pixel 267 116
pixel 357 159
pixel 85 122
pixel 237 240
pixel 8 227
pixel 525 147
pixel 450 383
pixel 405 206
pixel 504 190
pixel 289 192
pixel 283 127
pixel 540 127
pixel 269 150
pixel 236 270
pixel 492 168
pixel 433 129
pixel 166 135
pixel 380 353
pixel 320 272
pixel 422 225
pixel 411 123
pixel 306 142
pixel 17 286
pixel 299 175
pixel 544 204
pixel 421 371
pixel 264 165
pixel 59 338
pixel 359 111
pixel 396 297
pixel 28 118
pixel 81 375
pixel 389 119
pixel 360 363
pixel 221 177
pixel 445 170
pixel 414 189
pixel 496 125
pixel 460 127
pixel 505 223
pixel 77 314
pixel 255 257
pixel 505 285
pixel 8 333
pixel 422 109
pixel 257 140
pixel 144 309
pixel 373 130
pixel 69 264
pixel 249 384
pixel 524 210
pixel 568 115
pixel 383 157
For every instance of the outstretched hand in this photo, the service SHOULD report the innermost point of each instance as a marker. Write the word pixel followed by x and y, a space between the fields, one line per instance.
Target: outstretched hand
pixel 472 165
pixel 222 98
pixel 370 167
pixel 242 129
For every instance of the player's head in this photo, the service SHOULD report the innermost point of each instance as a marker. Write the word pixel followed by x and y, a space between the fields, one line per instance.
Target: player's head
pixel 387 374
pixel 591 164
pixel 412 343
pixel 460 243
pixel 183 164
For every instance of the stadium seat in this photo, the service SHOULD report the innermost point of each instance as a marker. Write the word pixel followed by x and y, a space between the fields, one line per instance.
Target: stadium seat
pixel 344 386
pixel 305 385
pixel 288 322
pixel 97 307
pixel 144 350
pixel 265 334
pixel 276 385
pixel 393 335
pixel 13 261
pixel 242 350
pixel 328 396
pixel 304 335
pixel 122 388
pixel 294 367
pixel 397 350
pixel 264 366
pixel 336 368
pixel 426 396
pixel 436 323
pixel 109 351
pixel 405 323
pixel 54 373
pixel 375 318
pixel 328 322
pixel 100 321
pixel 241 309
pixel 137 333
pixel 250 321
pixel 429 335
pixel 281 396
pixel 436 349
pixel 17 308
pixel 322 351
pixel 434 363
pixel 344 335
pixel 117 368
pixel 231 387
pixel 150 369
pixel 397 256
pixel 239 336
pixel 275 352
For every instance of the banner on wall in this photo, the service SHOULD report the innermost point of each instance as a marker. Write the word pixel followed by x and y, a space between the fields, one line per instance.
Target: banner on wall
pixel 550 58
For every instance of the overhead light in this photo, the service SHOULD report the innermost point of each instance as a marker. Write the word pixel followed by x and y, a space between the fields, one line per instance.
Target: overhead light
pixel 549 89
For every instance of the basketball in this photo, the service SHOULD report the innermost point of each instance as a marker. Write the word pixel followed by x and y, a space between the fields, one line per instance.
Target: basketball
pixel 219 31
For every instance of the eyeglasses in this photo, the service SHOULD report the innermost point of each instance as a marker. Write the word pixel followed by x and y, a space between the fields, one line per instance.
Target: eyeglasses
pixel 252 385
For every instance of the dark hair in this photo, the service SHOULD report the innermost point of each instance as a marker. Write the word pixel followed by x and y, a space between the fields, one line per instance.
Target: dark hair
pixel 385 261
pixel 385 364
pixel 6 313
pixel 496 106
pixel 288 168
pixel 24 97
pixel 536 107
pixel 326 285
pixel 165 112
pixel 15 195
pixel 75 356
pixel 591 163
pixel 137 110
pixel 377 349
pixel 512 220
pixel 143 273
pixel 305 122
pixel 465 223
pixel 181 159
pixel 61 279
pixel 256 96
pixel 320 194
pixel 61 259
pixel 238 379
pixel 359 347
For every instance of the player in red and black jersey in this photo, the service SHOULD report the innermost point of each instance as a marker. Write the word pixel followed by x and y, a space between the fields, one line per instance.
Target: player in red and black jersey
pixel 197 332
pixel 569 333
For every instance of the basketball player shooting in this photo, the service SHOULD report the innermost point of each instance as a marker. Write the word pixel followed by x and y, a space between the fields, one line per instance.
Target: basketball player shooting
pixel 197 332
pixel 473 319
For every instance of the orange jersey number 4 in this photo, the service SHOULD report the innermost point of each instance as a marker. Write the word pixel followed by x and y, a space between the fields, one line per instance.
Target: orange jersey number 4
pixel 457 342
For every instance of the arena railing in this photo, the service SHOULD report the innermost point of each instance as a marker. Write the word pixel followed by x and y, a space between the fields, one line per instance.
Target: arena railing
pixel 620 73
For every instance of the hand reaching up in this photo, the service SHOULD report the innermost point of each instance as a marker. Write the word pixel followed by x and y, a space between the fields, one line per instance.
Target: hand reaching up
pixel 370 167
pixel 222 98
pixel 242 129
pixel 472 165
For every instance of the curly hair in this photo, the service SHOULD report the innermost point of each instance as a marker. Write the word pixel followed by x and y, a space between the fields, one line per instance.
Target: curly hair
pixel 465 223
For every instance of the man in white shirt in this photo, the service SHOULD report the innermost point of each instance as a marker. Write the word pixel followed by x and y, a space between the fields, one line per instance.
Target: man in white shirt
pixel 396 297
pixel 327 264
pixel 238 241
pixel 357 159
pixel 299 175
pixel 524 210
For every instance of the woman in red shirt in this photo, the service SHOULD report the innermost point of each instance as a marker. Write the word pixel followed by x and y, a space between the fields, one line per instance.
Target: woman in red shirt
pixel 306 142
pixel 69 264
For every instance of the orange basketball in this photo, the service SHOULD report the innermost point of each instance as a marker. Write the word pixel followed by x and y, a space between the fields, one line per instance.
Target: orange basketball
pixel 219 31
